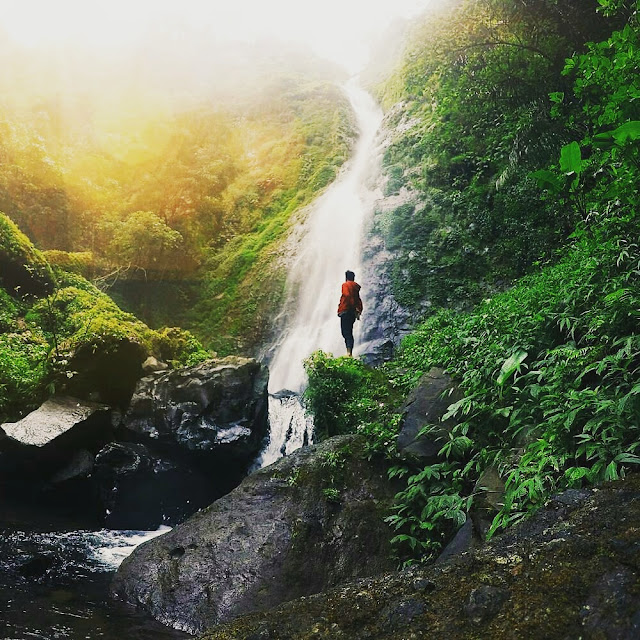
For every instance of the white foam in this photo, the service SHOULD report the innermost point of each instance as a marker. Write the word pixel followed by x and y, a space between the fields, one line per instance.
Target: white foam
pixel 110 548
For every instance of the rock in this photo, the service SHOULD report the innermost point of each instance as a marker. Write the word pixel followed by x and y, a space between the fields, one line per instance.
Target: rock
pixel 484 603
pixel 279 535
pixel 80 466
pixel 59 419
pixel 571 571
pixel 488 500
pixel 218 405
pixel 426 404
pixel 463 541
pixel 109 372
pixel 152 364
pixel 140 488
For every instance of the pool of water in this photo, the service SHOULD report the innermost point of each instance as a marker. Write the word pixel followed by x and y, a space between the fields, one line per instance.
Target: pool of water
pixel 55 584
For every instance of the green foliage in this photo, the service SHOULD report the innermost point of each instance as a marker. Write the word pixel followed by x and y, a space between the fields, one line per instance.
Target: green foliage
pixel 471 118
pixel 24 269
pixel 346 396
pixel 179 347
pixel 24 370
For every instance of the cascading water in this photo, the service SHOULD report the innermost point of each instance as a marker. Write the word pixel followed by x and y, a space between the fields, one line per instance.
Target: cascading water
pixel 331 244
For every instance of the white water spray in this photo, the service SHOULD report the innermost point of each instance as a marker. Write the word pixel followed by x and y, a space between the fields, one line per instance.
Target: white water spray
pixel 331 244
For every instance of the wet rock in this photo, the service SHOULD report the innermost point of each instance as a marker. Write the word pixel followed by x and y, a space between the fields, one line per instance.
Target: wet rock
pixel 140 488
pixel 59 418
pixel 484 603
pixel 80 466
pixel 37 565
pixel 427 404
pixel 216 405
pixel 275 537
pixel 571 571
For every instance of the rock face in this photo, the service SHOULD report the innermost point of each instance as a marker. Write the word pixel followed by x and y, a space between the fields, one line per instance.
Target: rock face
pixel 303 524
pixel 188 438
pixel 426 404
pixel 571 572
pixel 58 418
pixel 47 440
pixel 219 404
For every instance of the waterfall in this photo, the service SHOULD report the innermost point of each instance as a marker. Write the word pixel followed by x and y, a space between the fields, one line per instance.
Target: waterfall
pixel 330 245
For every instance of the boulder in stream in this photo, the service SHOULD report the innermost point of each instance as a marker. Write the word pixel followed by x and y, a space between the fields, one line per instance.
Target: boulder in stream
pixel 305 523
pixel 219 405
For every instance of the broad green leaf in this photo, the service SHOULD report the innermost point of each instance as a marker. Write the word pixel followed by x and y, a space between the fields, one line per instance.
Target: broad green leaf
pixel 510 365
pixel 548 180
pixel 571 158
pixel 629 131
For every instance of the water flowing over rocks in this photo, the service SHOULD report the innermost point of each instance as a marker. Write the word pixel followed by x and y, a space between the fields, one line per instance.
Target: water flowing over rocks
pixel 571 572
pixel 305 523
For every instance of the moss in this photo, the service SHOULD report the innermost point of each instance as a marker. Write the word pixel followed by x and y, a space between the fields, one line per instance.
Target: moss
pixel 23 269
pixel 81 262
pixel 569 573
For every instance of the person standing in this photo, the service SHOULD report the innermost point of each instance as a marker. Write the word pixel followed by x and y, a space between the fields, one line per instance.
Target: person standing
pixel 349 309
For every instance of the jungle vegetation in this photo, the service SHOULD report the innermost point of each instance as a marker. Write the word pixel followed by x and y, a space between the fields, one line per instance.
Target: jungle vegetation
pixel 517 129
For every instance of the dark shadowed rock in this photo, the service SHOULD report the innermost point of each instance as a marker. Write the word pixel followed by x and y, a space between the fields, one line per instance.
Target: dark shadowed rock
pixel 488 499
pixel 217 405
pixel 80 466
pixel 108 373
pixel 140 488
pixel 570 572
pixel 278 536
pixel 465 540
pixel 427 404
pixel 484 603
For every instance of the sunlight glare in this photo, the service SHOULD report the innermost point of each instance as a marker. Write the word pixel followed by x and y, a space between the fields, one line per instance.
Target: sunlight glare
pixel 339 30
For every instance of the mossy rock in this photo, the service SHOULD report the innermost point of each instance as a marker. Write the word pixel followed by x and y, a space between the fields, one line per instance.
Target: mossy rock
pixel 23 269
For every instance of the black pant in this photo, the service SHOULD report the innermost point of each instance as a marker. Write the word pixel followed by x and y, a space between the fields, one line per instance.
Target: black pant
pixel 347 320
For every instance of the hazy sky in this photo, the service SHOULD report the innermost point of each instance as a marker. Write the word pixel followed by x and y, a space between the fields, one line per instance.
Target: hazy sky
pixel 335 29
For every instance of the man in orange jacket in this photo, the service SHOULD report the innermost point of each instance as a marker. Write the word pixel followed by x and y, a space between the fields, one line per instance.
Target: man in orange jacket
pixel 349 309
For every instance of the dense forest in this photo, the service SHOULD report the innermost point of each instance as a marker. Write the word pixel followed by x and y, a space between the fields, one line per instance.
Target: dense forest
pixel 515 129
pixel 190 191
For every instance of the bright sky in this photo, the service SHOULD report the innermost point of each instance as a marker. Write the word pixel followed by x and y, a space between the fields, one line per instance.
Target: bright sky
pixel 335 29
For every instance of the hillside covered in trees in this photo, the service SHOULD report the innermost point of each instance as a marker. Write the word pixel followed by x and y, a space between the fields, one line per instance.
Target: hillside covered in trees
pixel 175 199
pixel 514 130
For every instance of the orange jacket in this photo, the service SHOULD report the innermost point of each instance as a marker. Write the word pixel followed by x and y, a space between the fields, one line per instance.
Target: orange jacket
pixel 350 298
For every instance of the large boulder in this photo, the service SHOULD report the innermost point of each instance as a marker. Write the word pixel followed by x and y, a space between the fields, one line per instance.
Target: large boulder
pixel 426 405
pixel 305 523
pixel 217 405
pixel 572 571
pixel 47 439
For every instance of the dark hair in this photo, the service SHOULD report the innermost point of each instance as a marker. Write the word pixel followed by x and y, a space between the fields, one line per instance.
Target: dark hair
pixel 349 275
